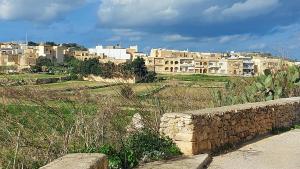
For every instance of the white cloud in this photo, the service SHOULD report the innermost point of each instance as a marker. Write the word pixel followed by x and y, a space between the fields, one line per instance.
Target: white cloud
pixel 35 10
pixel 142 12
pixel 176 37
pixel 131 13
pixel 258 46
pixel 237 37
pixel 250 8
pixel 128 34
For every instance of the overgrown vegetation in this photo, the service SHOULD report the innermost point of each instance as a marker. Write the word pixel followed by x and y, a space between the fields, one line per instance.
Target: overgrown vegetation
pixel 143 146
pixel 270 86
pixel 41 125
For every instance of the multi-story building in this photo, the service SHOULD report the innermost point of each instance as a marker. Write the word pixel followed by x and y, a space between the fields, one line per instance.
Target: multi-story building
pixel 248 66
pixel 174 61
pixel 232 64
pixel 235 66
pixel 113 52
pixel 55 53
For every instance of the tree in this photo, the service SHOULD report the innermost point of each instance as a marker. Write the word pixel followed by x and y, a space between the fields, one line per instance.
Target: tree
pixel 140 71
pixel 108 70
pixel 51 44
pixel 31 43
pixel 74 46
pixel 139 68
pixel 90 66
pixel 43 61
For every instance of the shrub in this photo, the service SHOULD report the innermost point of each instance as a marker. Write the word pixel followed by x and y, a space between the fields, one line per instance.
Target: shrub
pixel 144 146
pixel 151 144
pixel 127 92
pixel 150 77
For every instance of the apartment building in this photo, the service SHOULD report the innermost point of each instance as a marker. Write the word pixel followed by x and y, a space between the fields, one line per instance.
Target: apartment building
pixel 235 67
pixel 175 61
pixel 84 55
pixel 231 64
pixel 262 63
pixel 112 52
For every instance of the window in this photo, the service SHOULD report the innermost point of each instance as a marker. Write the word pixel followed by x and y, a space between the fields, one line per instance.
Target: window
pixel 167 62
pixel 176 62
pixel 166 68
pixel 171 62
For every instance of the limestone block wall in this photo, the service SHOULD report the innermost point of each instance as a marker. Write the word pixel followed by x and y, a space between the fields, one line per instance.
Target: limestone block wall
pixel 207 130
pixel 112 80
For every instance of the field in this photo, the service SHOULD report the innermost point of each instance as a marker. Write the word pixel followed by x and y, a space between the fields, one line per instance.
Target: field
pixel 28 76
pixel 49 120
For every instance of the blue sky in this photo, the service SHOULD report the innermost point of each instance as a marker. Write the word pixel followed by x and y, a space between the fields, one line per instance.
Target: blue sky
pixel 206 25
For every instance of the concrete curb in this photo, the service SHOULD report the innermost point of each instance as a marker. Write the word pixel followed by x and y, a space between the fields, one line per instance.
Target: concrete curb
pixel 190 162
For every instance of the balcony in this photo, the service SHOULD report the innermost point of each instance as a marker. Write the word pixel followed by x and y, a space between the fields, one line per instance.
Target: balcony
pixel 248 67
pixel 185 64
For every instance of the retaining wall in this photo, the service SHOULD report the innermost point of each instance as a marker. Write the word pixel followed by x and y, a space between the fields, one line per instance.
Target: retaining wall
pixel 109 80
pixel 207 130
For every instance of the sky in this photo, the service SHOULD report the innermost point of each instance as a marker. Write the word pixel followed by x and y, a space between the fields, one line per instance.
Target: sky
pixel 197 25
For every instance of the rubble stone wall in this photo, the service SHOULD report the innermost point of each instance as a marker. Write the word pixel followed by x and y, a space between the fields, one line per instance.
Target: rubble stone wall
pixel 208 130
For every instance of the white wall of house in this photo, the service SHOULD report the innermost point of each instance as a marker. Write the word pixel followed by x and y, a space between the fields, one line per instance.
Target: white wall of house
pixel 116 53
pixel 59 54
pixel 223 67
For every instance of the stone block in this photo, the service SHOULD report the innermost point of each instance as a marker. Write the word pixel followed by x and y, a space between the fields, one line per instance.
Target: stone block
pixel 185 137
pixel 188 148
pixel 79 161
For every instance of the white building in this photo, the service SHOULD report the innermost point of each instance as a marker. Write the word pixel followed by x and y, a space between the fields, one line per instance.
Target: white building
pixel 223 67
pixel 114 52
pixel 55 53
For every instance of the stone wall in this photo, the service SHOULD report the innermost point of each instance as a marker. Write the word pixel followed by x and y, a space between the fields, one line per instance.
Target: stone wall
pixel 108 80
pixel 207 130
pixel 79 161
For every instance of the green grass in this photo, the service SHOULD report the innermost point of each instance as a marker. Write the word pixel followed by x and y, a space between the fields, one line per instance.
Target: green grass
pixel 297 126
pixel 26 76
pixel 68 85
pixel 197 78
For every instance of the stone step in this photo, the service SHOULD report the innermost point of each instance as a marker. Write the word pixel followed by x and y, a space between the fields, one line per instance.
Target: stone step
pixel 189 162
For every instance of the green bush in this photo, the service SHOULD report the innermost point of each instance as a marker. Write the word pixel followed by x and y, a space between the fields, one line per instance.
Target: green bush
pixel 144 146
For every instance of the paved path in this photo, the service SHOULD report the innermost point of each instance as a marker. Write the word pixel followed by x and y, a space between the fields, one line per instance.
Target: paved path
pixel 194 162
pixel 275 152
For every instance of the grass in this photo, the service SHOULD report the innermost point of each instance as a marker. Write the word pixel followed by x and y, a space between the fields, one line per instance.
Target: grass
pixel 27 76
pixel 196 78
pixel 71 116
pixel 297 126
pixel 69 84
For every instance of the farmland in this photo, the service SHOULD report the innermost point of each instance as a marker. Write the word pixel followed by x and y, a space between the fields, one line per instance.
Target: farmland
pixel 49 120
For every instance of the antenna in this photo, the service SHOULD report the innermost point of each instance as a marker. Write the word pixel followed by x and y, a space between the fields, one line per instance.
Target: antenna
pixel 26 38
pixel 26 45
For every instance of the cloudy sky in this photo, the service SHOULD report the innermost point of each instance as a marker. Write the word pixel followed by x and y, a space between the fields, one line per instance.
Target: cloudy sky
pixel 206 25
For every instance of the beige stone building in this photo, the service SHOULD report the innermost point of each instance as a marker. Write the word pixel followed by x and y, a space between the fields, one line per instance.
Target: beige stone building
pixel 233 64
pixel 274 64
pixel 174 61
pixel 235 67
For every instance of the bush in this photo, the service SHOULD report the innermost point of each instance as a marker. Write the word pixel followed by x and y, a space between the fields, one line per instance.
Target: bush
pixel 150 77
pixel 127 92
pixel 144 146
